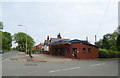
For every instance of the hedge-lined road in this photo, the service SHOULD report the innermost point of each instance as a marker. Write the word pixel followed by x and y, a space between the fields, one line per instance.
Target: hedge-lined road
pixel 98 67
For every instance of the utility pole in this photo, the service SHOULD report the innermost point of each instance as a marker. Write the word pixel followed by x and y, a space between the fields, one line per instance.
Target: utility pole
pixel 86 38
pixel 1 28
pixel 95 39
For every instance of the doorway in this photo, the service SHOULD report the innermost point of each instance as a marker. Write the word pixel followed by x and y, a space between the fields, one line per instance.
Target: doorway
pixel 74 52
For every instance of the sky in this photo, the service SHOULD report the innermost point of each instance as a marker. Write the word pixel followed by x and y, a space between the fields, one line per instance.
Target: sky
pixel 74 19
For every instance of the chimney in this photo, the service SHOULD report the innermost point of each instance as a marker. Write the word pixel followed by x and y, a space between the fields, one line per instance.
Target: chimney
pixel 59 36
pixel 47 37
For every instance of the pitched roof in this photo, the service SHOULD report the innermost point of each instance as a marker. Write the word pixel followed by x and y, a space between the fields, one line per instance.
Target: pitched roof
pixel 83 42
pixel 67 41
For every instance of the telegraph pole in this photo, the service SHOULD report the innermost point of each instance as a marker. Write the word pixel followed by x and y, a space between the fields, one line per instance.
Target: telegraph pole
pixel 95 39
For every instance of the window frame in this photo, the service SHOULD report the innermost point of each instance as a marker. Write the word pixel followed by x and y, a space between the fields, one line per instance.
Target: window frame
pixel 83 50
pixel 89 50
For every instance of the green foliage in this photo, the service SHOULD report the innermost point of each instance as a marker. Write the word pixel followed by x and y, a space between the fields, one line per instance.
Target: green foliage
pixel 0 40
pixel 20 39
pixel 112 54
pixel 118 43
pixel 38 50
pixel 108 41
pixel 6 41
pixel 118 54
pixel 105 41
pixel 118 29
pixel 103 53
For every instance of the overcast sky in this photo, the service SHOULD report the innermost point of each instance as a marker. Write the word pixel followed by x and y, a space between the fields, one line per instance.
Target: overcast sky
pixel 73 19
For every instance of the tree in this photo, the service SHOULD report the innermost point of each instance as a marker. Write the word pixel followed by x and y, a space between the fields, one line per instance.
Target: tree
pixel 118 43
pixel 108 41
pixel 118 39
pixel 105 41
pixel 99 43
pixel 20 39
pixel 118 29
pixel 6 41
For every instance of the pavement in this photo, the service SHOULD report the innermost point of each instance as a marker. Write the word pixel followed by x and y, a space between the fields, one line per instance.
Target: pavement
pixel 62 67
pixel 38 58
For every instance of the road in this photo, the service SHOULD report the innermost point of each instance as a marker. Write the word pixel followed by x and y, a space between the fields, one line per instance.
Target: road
pixel 98 67
pixel 8 54
pixel 5 56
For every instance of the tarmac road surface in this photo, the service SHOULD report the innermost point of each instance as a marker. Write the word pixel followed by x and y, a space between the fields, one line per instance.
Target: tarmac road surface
pixel 96 67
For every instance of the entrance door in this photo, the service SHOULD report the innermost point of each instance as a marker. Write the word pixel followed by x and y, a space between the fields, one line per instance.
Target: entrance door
pixel 74 52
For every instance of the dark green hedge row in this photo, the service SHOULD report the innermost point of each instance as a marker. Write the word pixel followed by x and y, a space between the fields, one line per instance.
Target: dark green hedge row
pixel 103 53
pixel 38 50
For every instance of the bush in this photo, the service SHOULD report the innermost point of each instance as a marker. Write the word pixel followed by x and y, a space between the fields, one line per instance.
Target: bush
pixel 118 54
pixel 103 53
pixel 38 50
pixel 112 54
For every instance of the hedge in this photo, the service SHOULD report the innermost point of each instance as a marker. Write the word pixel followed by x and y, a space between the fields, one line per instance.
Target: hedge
pixel 38 50
pixel 103 53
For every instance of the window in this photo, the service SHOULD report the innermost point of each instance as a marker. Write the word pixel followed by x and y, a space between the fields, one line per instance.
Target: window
pixel 84 50
pixel 89 50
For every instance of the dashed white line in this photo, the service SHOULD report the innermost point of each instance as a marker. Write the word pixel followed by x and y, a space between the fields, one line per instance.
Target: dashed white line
pixel 112 62
pixel 97 64
pixel 63 69
pixel 54 71
pixel 102 63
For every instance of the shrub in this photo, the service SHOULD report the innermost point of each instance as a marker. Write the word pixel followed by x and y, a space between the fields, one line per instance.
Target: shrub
pixel 112 54
pixel 118 54
pixel 103 53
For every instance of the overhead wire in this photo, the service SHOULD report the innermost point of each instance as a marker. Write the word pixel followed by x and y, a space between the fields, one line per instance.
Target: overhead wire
pixel 102 20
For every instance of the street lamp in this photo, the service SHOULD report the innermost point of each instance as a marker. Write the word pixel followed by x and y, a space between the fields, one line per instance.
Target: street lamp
pixel 26 36
pixel 1 28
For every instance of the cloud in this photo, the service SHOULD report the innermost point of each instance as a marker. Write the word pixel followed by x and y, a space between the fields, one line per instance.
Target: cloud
pixel 72 20
pixel 81 1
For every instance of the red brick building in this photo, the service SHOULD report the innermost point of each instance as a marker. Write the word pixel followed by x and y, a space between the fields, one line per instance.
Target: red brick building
pixel 50 40
pixel 73 49
pixel 39 46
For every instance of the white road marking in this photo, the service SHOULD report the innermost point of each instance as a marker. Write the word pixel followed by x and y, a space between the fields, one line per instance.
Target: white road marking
pixel 64 69
pixel 102 63
pixel 97 64
pixel 54 71
pixel 112 62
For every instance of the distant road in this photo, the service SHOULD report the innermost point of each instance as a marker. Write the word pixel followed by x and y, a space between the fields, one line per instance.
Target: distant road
pixel 8 54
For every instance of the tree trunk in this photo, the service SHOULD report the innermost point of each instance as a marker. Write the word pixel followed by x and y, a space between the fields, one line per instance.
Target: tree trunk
pixel 30 55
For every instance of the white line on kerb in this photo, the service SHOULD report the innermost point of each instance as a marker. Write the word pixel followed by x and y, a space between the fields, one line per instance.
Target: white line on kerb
pixel 64 69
